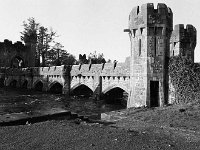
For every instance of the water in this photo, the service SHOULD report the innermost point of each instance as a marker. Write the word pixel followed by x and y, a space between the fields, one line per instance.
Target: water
pixel 34 103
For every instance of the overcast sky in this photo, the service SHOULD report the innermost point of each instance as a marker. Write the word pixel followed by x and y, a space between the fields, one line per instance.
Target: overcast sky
pixel 86 26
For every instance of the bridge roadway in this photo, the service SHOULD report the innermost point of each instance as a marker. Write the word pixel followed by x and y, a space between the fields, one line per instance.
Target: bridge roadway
pixel 99 78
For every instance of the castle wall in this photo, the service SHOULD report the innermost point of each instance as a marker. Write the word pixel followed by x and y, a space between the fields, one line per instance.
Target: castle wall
pixel 10 51
pixel 183 41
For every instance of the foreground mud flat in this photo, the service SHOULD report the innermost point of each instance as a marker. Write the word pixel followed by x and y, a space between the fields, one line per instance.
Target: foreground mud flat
pixel 68 134
pixel 133 129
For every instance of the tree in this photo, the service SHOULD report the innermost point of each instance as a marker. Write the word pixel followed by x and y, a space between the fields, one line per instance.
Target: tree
pixel 29 35
pixel 101 59
pixel 68 59
pixel 45 37
pixel 58 56
pixel 96 59
pixel 109 61
pixel 39 35
pixel 82 59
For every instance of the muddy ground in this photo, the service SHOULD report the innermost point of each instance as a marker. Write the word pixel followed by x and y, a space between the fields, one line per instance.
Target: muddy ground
pixel 172 127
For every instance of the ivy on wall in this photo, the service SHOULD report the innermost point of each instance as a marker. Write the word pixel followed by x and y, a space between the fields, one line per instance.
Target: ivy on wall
pixel 185 78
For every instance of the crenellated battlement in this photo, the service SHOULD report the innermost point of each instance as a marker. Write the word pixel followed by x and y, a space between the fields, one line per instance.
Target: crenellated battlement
pixel 107 69
pixel 183 41
pixel 181 33
pixel 147 15
pixel 54 70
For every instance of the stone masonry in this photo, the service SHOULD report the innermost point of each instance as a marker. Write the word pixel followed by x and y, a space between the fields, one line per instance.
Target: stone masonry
pixel 152 43
pixel 183 41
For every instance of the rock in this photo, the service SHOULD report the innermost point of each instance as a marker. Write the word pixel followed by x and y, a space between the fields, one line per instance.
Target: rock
pixel 182 110
pixel 77 121
pixel 92 144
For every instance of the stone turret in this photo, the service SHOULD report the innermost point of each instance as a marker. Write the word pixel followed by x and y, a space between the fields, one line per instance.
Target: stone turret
pixel 183 41
pixel 30 55
pixel 149 30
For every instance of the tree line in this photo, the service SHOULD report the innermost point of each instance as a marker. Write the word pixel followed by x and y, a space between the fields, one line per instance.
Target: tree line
pixel 52 53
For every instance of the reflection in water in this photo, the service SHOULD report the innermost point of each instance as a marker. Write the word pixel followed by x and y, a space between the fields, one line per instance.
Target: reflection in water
pixel 14 100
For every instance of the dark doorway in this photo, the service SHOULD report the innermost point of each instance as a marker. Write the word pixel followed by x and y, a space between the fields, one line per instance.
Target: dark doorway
pixel 154 93
pixel 116 96
pixel 56 88
pixel 39 86
pixel 13 84
pixel 82 91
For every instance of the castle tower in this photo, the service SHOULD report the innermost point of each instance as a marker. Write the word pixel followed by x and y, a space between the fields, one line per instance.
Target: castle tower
pixel 149 30
pixel 183 41
pixel 30 55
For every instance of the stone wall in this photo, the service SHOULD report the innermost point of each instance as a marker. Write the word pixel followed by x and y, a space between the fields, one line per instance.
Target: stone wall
pixel 183 41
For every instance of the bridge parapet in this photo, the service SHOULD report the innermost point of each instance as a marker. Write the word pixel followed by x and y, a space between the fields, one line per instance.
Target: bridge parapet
pixel 115 69
pixel 17 71
pixel 86 69
pixel 75 70
pixel 96 68
pixel 54 70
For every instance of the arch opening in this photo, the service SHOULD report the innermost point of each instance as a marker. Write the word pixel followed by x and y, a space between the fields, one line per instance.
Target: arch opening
pixel 116 96
pixel 82 91
pixel 25 84
pixel 17 62
pixel 39 86
pixel 56 88
pixel 13 84
pixel 1 82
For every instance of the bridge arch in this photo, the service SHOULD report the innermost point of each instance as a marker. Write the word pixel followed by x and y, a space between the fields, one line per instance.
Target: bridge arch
pixel 38 85
pixel 55 87
pixel 13 83
pixel 81 90
pixel 116 95
pixel 115 86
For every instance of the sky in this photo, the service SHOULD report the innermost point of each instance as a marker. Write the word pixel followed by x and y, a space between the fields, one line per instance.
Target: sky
pixel 85 26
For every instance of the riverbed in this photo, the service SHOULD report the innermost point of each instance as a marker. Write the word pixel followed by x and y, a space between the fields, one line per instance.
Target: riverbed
pixel 16 100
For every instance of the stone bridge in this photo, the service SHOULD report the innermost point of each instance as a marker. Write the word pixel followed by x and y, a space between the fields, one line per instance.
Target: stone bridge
pixel 99 79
